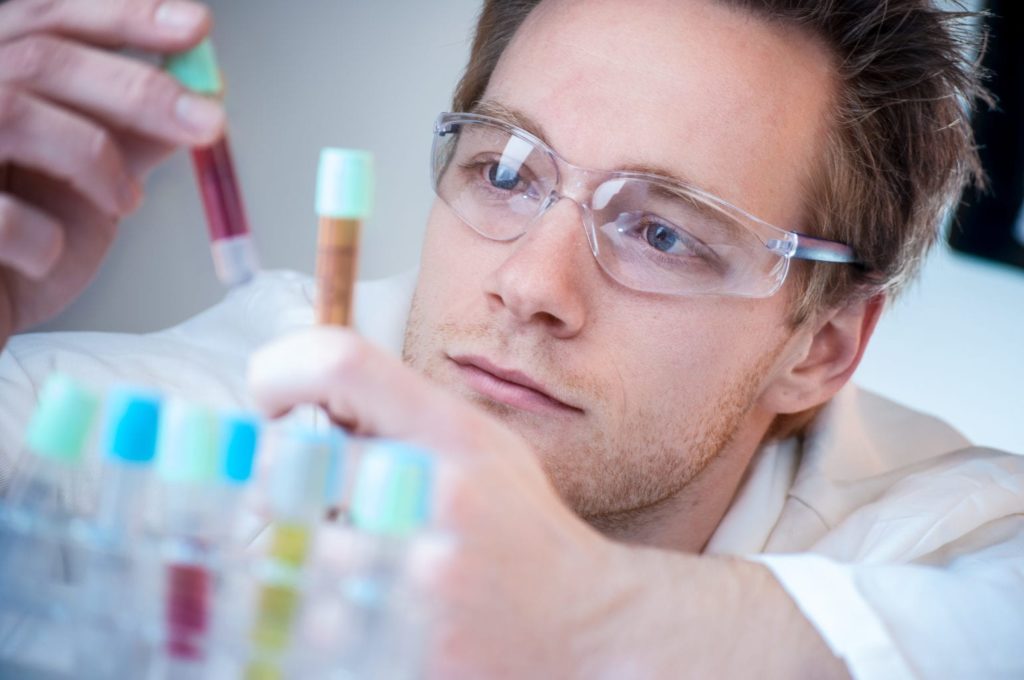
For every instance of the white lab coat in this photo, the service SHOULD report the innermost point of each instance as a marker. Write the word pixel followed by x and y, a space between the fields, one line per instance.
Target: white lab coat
pixel 901 543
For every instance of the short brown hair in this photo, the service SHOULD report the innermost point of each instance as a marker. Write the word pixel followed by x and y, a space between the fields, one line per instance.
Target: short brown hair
pixel 900 148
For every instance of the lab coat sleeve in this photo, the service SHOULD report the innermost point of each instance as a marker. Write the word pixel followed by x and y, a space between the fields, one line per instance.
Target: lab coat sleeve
pixel 961 619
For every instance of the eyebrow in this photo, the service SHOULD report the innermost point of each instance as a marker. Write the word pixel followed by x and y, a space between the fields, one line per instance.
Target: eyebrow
pixel 507 114
pixel 495 109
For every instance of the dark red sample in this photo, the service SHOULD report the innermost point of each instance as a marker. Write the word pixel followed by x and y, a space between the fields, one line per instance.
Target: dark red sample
pixel 222 199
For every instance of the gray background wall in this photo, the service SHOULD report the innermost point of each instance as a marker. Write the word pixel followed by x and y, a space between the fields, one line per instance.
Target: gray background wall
pixel 374 74
pixel 301 75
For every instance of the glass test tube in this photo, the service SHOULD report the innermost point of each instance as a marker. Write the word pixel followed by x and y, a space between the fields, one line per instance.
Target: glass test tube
pixel 234 254
pixel 344 200
pixel 111 640
pixel 297 491
pixel 203 505
pixel 188 468
pixel 391 509
pixel 35 519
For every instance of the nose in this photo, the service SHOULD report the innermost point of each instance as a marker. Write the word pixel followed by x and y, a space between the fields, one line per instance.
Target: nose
pixel 543 280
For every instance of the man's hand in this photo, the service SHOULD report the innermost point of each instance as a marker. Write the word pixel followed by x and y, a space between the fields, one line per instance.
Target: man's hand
pixel 527 588
pixel 80 126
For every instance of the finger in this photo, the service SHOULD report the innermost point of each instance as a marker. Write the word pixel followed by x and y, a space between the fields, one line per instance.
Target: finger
pixel 38 135
pixel 361 384
pixel 87 232
pixel 30 240
pixel 158 25
pixel 120 91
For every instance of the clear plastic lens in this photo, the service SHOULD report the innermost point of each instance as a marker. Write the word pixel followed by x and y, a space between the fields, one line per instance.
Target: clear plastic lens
pixel 646 234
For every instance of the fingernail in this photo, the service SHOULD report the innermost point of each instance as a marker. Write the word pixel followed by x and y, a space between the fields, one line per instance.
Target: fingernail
pixel 199 113
pixel 179 15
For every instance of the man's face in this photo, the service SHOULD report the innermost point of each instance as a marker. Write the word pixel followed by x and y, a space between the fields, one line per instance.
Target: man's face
pixel 642 390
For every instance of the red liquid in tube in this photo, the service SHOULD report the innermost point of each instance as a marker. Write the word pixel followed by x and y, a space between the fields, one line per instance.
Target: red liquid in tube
pixel 189 594
pixel 233 253
pixel 218 184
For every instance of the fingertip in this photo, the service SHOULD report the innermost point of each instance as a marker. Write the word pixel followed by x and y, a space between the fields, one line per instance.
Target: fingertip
pixel 183 20
pixel 31 242
pixel 203 119
pixel 49 254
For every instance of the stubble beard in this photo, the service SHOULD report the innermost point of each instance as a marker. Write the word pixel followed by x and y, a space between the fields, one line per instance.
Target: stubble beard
pixel 617 481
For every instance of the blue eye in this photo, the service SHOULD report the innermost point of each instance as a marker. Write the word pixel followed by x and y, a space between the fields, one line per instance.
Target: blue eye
pixel 661 237
pixel 503 177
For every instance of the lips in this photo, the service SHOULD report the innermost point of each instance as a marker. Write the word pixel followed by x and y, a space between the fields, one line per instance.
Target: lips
pixel 508 386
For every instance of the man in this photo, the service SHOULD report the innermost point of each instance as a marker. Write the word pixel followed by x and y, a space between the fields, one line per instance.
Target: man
pixel 663 236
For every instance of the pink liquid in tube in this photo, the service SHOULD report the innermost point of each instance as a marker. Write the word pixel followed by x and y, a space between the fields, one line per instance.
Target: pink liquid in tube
pixel 234 256
pixel 189 594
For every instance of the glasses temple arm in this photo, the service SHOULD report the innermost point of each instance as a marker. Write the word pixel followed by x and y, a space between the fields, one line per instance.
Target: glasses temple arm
pixel 823 250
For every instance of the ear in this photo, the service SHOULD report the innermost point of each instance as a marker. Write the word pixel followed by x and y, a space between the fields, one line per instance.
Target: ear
pixel 822 357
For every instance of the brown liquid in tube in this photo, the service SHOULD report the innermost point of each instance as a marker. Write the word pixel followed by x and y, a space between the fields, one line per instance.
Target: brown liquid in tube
pixel 337 260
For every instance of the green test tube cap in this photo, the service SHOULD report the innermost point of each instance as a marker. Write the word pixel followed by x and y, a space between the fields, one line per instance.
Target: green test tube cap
pixel 197 69
pixel 344 184
pixel 393 489
pixel 63 419
pixel 187 445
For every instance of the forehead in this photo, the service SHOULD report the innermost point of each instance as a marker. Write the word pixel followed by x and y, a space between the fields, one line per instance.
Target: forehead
pixel 733 102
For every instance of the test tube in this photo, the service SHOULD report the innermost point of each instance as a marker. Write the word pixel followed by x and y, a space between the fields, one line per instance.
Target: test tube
pixel 239 440
pixel 46 491
pixel 188 468
pixel 391 508
pixel 234 254
pixel 344 200
pixel 297 501
pixel 112 640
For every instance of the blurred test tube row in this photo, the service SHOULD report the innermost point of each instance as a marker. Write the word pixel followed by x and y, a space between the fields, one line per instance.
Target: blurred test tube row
pixel 150 571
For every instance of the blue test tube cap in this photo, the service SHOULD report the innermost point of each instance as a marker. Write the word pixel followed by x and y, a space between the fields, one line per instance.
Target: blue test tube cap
pixel 240 436
pixel 132 421
pixel 393 488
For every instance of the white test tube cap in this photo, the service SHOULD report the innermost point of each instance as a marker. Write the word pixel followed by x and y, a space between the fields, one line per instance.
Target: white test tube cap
pixel 298 477
pixel 344 184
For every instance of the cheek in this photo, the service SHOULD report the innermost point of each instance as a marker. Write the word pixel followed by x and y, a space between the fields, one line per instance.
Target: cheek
pixel 687 356
pixel 669 365
pixel 454 266
pixel 449 265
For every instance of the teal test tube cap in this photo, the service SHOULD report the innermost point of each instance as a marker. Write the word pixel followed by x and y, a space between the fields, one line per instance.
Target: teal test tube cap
pixel 197 69
pixel 132 419
pixel 187 444
pixel 393 489
pixel 63 419
pixel 344 184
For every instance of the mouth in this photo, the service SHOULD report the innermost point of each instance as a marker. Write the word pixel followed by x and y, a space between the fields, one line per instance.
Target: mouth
pixel 507 386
